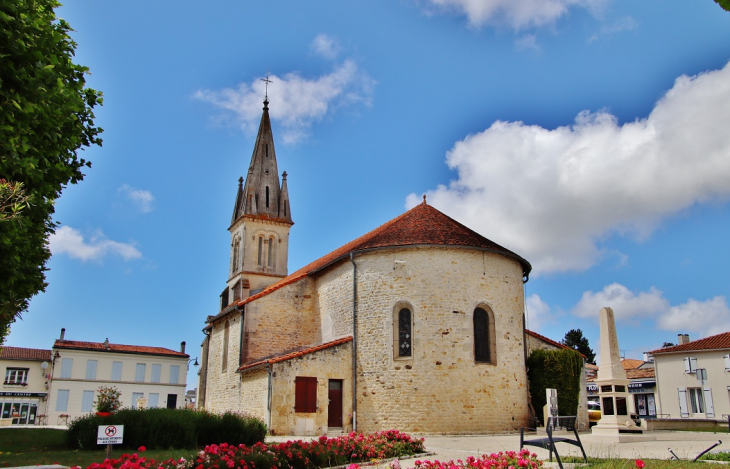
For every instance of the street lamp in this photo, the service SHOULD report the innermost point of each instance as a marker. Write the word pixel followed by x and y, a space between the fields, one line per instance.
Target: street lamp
pixel 194 364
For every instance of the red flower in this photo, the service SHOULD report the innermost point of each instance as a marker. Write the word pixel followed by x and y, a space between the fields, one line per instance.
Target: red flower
pixel 640 463
pixel 141 449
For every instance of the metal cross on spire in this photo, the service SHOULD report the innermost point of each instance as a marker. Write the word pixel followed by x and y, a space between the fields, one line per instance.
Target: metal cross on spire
pixel 267 81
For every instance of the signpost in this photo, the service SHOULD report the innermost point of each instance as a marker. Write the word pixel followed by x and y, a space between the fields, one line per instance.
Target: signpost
pixel 109 435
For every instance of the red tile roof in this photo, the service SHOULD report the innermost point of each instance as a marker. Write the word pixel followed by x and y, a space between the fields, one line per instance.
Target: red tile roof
pixel 631 363
pixel 294 354
pixel 119 348
pixel 714 342
pixel 422 225
pixel 546 340
pixel 18 353
pixel 640 373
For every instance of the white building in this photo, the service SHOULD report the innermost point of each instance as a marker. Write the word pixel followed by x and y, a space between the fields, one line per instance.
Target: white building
pixel 25 385
pixel 155 376
pixel 693 378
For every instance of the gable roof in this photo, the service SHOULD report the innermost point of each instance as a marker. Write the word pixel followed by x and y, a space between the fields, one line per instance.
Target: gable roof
pixel 548 341
pixel 422 225
pixel 19 353
pixel 295 354
pixel 714 342
pixel 116 348
pixel 631 363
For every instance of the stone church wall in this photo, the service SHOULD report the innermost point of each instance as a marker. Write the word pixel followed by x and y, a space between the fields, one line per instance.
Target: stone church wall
pixel 223 387
pixel 334 301
pixel 440 388
pixel 254 393
pixel 327 364
pixel 282 320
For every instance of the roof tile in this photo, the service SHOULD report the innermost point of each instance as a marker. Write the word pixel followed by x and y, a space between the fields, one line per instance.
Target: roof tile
pixel 719 341
pixel 101 347
pixel 19 353
pixel 296 353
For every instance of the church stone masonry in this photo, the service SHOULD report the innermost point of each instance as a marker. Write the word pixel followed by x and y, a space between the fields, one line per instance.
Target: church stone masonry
pixel 417 325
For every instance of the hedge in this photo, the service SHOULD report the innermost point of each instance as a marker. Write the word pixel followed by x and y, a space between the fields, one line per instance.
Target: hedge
pixel 558 369
pixel 169 428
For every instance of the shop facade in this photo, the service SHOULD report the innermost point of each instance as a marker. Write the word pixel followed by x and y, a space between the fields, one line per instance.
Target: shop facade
pixel 24 390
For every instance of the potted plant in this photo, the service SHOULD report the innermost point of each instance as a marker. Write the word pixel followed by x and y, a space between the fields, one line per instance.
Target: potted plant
pixel 107 400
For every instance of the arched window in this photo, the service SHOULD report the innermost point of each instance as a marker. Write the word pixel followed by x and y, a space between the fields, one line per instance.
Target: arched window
pixel 402 331
pixel 261 251
pixel 236 253
pixel 484 336
pixel 270 260
pixel 224 357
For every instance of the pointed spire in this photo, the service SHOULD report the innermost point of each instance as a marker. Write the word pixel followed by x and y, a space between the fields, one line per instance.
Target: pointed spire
pixel 261 195
pixel 284 208
pixel 238 207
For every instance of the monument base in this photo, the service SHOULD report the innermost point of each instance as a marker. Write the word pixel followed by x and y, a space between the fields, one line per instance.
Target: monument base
pixel 620 434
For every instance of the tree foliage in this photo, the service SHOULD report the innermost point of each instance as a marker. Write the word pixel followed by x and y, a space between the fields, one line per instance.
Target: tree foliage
pixel 556 369
pixel 45 119
pixel 667 344
pixel 575 340
pixel 724 4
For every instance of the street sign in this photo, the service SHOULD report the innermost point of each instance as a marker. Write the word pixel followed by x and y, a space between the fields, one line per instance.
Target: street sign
pixel 109 434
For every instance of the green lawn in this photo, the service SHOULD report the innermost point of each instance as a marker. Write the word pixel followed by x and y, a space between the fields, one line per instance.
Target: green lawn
pixel 32 446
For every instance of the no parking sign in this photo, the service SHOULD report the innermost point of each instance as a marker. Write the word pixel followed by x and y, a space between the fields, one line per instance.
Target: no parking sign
pixel 109 434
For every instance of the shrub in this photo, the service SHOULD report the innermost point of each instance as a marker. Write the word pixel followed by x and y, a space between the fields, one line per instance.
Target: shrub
pixel 169 428
pixel 558 369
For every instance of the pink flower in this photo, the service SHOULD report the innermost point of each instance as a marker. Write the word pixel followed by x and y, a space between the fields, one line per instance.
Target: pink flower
pixel 640 463
pixel 141 449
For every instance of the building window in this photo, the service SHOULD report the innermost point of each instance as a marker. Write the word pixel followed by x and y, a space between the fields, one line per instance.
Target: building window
pixel 116 371
pixel 16 376
pixel 156 372
pixel 135 396
pixel 696 401
pixel 67 365
pixel 403 330
pixel 62 400
pixel 267 196
pixel 484 336
pixel 91 369
pixel 174 374
pixel 270 261
pixel 236 253
pixel 305 395
pixel 87 401
pixel 140 372
pixel 154 400
pixel 261 251
pixel 224 357
pixel 690 365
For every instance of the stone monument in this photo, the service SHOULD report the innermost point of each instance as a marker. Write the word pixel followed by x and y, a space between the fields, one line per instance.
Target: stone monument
pixel 612 385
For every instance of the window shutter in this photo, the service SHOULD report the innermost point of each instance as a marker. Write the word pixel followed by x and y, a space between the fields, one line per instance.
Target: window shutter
pixel 140 372
pixel 154 400
pixel 727 362
pixel 683 412
pixel 156 372
pixel 116 371
pixel 709 408
pixel 67 365
pixel 692 364
pixel 687 368
pixel 91 370
pixel 62 400
pixel 305 394
pixel 87 400
pixel 174 374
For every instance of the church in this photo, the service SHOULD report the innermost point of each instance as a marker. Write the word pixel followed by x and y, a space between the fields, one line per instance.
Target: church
pixel 418 325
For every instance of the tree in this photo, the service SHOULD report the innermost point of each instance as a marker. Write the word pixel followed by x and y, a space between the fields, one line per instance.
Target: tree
pixel 724 4
pixel 667 344
pixel 45 119
pixel 575 340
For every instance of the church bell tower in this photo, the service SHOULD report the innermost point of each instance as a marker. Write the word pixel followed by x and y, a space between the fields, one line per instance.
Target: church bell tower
pixel 260 223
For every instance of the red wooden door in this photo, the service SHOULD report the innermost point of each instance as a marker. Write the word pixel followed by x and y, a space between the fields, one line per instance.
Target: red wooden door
pixel 334 409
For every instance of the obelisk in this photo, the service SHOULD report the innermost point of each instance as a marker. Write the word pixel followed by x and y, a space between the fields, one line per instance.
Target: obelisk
pixel 612 384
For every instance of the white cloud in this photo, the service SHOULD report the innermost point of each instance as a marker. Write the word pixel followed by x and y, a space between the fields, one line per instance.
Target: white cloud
pixel 517 14
pixel 141 198
pixel 537 312
pixel 296 102
pixel 552 195
pixel 624 24
pixel 326 46
pixel 625 303
pixel 67 240
pixel 704 317
pixel 529 41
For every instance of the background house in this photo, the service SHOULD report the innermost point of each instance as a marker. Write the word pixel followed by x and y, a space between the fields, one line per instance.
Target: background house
pixel 25 385
pixel 693 378
pixel 155 374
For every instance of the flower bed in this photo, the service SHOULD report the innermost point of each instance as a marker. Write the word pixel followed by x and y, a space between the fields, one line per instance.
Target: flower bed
pixel 495 460
pixel 322 452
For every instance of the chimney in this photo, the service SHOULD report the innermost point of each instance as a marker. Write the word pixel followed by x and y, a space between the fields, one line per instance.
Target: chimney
pixel 106 343
pixel 682 339
pixel 63 332
pixel 182 347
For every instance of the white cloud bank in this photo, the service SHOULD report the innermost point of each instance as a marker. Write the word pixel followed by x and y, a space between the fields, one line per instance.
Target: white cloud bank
pixel 326 46
pixel 296 102
pixel 67 240
pixel 702 318
pixel 142 199
pixel 551 195
pixel 517 14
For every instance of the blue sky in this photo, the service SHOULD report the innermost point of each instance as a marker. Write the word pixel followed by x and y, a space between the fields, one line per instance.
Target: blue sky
pixel 589 136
